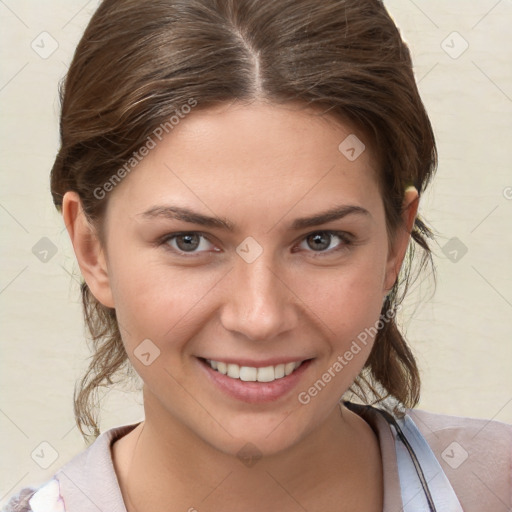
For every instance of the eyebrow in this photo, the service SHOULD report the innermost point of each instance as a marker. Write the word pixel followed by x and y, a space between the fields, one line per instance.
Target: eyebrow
pixel 187 215
pixel 333 214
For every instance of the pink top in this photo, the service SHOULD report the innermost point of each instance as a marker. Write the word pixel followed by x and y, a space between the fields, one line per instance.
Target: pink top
pixel 467 464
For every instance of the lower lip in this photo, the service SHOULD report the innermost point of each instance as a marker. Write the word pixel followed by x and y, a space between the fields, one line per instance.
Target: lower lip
pixel 255 392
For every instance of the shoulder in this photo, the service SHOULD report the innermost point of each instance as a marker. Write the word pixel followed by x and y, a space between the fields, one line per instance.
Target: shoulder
pixel 475 454
pixel 88 478
pixel 470 439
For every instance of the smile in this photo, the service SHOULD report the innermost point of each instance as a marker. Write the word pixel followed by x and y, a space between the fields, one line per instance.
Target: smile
pixel 252 374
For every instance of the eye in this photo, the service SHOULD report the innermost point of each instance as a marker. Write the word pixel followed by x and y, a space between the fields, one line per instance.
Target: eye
pixel 190 242
pixel 326 241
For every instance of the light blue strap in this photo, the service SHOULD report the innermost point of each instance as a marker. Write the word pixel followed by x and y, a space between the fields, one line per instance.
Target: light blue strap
pixel 413 495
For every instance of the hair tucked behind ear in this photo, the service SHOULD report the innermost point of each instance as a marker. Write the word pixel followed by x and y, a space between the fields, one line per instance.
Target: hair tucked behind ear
pixel 391 364
pixel 140 61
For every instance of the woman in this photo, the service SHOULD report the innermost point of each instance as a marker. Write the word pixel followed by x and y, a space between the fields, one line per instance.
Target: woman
pixel 240 181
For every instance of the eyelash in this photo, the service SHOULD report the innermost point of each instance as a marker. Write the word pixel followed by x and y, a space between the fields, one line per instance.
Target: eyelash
pixel 346 242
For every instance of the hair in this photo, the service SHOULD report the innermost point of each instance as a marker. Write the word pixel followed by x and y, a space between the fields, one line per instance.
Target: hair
pixel 140 61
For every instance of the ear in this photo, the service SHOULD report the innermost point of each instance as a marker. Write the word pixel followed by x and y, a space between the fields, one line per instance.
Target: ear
pixel 88 250
pixel 400 242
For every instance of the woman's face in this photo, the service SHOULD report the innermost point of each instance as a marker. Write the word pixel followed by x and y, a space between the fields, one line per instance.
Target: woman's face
pixel 248 237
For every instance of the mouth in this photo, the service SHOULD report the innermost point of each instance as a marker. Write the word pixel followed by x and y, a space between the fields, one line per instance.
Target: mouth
pixel 255 382
pixel 253 373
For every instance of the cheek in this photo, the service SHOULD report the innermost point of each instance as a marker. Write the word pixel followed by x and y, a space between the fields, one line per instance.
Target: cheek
pixel 155 300
pixel 348 297
pixel 348 305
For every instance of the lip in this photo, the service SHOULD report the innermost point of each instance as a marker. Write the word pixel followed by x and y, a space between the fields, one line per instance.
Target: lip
pixel 255 392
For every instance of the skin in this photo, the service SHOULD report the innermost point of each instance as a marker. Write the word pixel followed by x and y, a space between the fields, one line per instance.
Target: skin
pixel 260 167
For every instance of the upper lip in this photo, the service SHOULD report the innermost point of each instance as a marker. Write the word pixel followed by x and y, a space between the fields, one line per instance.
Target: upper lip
pixel 257 364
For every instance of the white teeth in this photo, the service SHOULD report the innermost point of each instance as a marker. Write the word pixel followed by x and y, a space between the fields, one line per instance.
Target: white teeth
pixel 251 374
pixel 233 371
pixel 288 368
pixel 248 374
pixel 279 371
pixel 266 374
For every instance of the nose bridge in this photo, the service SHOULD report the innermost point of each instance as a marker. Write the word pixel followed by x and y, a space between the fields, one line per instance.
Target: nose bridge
pixel 260 281
pixel 258 304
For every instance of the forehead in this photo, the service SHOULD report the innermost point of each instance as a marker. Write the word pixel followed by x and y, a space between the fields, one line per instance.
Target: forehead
pixel 260 153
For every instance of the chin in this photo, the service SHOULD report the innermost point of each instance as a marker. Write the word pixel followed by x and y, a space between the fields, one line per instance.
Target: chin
pixel 259 435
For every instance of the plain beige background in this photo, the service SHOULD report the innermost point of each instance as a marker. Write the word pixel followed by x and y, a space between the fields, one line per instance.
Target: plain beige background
pixel 461 335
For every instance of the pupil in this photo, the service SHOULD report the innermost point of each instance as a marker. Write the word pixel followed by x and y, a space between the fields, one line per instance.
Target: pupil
pixel 321 240
pixel 189 242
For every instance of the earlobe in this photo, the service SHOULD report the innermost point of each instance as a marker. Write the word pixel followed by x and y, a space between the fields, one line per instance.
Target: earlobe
pixel 402 237
pixel 88 250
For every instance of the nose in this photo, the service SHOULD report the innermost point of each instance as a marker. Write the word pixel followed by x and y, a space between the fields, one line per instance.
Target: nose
pixel 259 303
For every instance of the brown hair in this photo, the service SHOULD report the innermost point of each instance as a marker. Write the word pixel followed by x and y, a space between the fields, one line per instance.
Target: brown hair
pixel 139 61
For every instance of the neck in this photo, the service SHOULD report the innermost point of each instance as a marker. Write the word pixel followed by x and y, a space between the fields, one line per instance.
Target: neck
pixel 164 465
